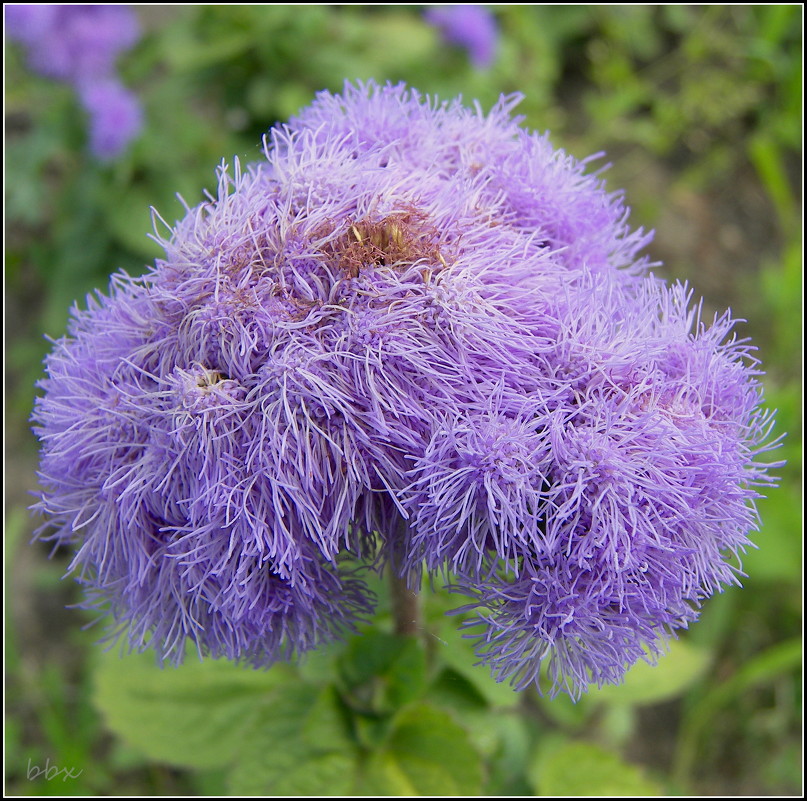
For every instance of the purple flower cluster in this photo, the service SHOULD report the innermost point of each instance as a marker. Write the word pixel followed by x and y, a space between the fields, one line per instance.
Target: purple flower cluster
pixel 80 45
pixel 416 335
pixel 472 27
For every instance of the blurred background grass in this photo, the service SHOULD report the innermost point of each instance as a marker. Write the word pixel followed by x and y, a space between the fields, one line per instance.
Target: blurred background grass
pixel 699 110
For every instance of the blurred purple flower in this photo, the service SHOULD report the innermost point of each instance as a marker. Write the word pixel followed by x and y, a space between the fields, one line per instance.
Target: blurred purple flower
pixel 413 331
pixel 80 45
pixel 30 24
pixel 73 43
pixel 115 116
pixel 470 26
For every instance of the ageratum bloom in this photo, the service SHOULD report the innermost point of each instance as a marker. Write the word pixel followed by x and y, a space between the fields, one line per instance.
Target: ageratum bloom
pixel 73 43
pixel 115 116
pixel 472 27
pixel 79 44
pixel 414 334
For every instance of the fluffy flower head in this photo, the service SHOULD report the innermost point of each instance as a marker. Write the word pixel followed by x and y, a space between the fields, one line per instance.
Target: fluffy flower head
pixel 414 333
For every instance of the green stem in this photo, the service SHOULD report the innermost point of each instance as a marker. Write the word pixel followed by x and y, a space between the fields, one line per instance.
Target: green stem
pixel 405 606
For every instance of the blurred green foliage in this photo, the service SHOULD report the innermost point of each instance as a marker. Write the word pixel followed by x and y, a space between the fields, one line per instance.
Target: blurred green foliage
pixel 699 108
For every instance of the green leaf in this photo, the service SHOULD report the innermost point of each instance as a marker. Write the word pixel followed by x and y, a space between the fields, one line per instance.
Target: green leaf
pixel 507 771
pixel 299 745
pixel 290 769
pixel 452 691
pixel 407 674
pixel 427 753
pixel 583 769
pixel 197 715
pixel 382 672
pixel 457 652
pixel 319 666
pixel 644 683
pixel 324 725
